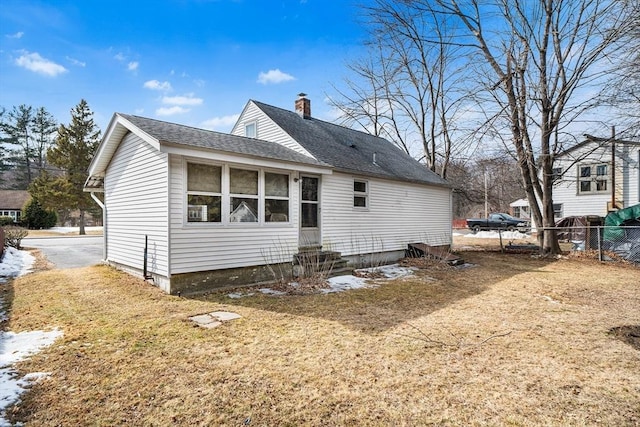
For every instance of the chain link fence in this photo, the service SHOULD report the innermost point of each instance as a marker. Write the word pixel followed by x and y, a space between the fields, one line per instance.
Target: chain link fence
pixel 606 243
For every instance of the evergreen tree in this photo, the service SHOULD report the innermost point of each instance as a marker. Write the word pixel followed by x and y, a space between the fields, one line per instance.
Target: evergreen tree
pixel 72 151
pixel 34 216
pixel 25 135
pixel 43 129
pixel 16 126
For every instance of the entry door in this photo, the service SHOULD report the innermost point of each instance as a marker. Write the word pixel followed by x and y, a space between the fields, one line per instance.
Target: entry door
pixel 309 211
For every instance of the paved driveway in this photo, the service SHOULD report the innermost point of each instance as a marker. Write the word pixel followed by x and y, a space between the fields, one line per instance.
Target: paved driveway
pixel 68 252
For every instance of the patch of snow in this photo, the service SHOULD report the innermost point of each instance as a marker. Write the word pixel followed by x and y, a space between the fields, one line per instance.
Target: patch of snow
pixel 393 271
pixel 268 291
pixel 15 263
pixel 344 283
pixel 65 230
pixel 15 347
pixel 508 235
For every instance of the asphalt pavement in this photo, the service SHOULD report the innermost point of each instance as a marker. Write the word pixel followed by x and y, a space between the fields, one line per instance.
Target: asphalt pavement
pixel 70 251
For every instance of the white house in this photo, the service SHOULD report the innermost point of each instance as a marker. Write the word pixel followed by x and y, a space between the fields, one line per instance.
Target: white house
pixel 594 173
pixel 221 209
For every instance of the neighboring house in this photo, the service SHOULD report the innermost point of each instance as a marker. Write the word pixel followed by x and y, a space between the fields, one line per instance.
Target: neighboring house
pixel 220 209
pixel 589 177
pixel 12 202
pixel 520 209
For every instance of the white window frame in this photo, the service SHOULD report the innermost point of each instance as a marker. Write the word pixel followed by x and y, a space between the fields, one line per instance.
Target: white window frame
pixel 226 195
pixel 249 125
pixel 188 192
pixel 361 194
pixel 557 213
pixel 266 197
pixel 593 178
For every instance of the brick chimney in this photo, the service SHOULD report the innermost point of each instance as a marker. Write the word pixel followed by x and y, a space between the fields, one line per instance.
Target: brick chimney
pixel 303 106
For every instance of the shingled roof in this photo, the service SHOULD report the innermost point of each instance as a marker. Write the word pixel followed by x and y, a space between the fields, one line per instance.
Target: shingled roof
pixel 349 150
pixel 175 134
pixel 13 199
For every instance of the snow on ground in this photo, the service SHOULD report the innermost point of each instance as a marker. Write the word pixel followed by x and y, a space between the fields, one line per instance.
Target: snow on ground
pixel 65 230
pixel 508 235
pixel 344 283
pixel 15 347
pixel 15 263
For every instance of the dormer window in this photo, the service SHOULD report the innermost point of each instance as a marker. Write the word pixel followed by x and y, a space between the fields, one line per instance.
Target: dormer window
pixel 250 130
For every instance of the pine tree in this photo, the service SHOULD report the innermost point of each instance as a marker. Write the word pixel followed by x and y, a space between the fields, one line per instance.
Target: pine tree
pixel 72 151
pixel 43 129
pixel 16 137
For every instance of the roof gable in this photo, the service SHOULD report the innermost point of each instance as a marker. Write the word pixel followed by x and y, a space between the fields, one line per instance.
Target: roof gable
pixel 350 150
pixel 159 133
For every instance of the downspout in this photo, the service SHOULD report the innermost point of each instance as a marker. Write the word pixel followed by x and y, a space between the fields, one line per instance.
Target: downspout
pixel 104 224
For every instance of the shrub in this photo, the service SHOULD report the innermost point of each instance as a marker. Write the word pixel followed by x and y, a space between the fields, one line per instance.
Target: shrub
pixel 5 220
pixel 34 216
pixel 13 236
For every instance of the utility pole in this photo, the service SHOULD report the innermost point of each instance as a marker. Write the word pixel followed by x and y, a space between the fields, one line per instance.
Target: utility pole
pixel 613 169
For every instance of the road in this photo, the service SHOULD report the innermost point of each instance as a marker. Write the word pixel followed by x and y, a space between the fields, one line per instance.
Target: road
pixel 68 252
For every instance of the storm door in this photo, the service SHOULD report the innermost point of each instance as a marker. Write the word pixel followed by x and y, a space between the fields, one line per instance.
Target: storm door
pixel 309 211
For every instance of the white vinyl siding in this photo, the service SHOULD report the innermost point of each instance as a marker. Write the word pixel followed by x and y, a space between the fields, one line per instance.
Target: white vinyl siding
pixel 566 190
pixel 136 198
pixel 266 129
pixel 398 213
pixel 202 247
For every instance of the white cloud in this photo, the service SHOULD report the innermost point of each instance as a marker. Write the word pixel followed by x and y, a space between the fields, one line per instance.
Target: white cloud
pixel 17 35
pixel 34 62
pixel 218 123
pixel 133 65
pixel 119 56
pixel 170 111
pixel 157 85
pixel 274 77
pixel 76 62
pixel 182 100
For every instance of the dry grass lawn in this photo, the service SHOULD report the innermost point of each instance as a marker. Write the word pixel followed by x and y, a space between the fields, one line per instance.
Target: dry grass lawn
pixel 515 341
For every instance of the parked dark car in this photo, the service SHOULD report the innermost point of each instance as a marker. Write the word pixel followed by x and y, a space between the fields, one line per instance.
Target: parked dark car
pixel 499 221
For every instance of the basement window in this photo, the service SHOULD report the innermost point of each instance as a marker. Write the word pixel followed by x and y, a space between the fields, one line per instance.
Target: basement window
pixel 360 194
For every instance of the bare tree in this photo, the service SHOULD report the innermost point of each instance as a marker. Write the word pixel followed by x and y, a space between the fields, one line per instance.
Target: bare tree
pixel 533 58
pixel 408 89
pixel 622 91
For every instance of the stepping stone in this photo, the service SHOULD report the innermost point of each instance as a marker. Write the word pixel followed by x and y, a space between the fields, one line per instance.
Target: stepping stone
pixel 214 319
pixel 224 316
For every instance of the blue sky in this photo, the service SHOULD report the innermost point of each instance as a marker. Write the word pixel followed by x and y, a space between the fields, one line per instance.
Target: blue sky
pixel 195 62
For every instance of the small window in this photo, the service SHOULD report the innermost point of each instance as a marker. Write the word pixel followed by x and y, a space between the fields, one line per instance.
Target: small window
pixel 360 194
pixel 556 174
pixel 557 210
pixel 250 130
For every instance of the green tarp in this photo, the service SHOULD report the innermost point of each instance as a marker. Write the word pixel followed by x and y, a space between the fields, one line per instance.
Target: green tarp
pixel 612 231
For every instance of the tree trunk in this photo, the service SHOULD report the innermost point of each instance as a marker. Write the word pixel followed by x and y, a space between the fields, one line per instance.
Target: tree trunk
pixel 81 223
